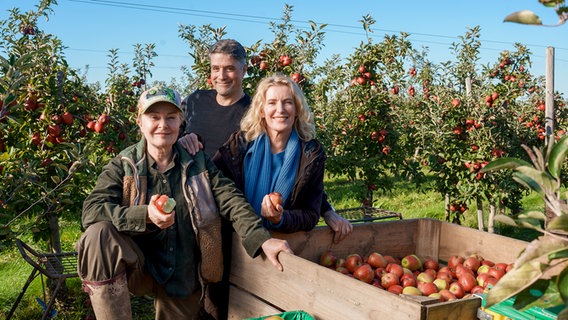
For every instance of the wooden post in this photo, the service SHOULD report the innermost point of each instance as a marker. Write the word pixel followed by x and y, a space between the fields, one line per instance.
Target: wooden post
pixel 549 100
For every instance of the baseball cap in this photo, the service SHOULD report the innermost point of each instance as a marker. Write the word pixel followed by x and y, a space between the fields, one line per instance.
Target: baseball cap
pixel 158 94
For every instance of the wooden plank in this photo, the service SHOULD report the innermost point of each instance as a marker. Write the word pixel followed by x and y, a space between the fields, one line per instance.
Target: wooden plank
pixel 463 309
pixel 322 292
pixel 244 305
pixel 464 241
pixel 396 238
pixel 428 238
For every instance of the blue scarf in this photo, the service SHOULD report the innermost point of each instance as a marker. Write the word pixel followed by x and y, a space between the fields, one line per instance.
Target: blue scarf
pixel 258 170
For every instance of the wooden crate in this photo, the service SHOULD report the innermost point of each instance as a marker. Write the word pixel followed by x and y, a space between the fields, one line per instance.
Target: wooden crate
pixel 258 288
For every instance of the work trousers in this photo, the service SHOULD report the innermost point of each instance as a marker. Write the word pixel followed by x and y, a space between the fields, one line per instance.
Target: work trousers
pixel 104 253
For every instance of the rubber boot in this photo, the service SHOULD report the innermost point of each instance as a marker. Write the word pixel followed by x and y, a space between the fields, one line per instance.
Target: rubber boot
pixel 110 299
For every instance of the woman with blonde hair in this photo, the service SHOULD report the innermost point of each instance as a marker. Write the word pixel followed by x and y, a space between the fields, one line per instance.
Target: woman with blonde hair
pixel 276 151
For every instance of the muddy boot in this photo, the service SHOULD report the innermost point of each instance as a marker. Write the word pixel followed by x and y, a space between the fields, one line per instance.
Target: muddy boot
pixel 110 299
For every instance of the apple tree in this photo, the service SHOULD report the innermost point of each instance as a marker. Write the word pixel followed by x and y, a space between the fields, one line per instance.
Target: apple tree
pixel 355 111
pixel 56 131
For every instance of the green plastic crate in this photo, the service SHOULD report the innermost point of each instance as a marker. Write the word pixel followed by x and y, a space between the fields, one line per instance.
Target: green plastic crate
pixel 506 309
pixel 289 315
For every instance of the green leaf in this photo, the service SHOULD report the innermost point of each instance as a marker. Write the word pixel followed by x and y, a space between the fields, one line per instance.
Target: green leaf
pixel 562 284
pixel 557 156
pixel 542 293
pixel 529 183
pixel 562 254
pixel 558 223
pixel 550 3
pixel 504 163
pixel 514 281
pixel 542 178
pixel 523 17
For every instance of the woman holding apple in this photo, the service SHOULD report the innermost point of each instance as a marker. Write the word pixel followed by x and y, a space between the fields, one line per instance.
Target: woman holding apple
pixel 139 241
pixel 276 151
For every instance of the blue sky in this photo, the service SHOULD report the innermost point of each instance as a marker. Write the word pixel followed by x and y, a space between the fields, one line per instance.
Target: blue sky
pixel 90 28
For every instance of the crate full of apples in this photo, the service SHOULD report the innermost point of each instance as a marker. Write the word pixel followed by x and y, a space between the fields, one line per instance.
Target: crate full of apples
pixel 415 269
pixel 411 275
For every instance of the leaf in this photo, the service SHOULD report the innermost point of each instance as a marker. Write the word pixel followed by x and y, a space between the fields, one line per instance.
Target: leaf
pixel 529 183
pixel 533 215
pixel 505 219
pixel 562 284
pixel 514 281
pixel 542 178
pixel 558 223
pixel 542 293
pixel 523 17
pixel 557 156
pixel 504 163
pixel 539 248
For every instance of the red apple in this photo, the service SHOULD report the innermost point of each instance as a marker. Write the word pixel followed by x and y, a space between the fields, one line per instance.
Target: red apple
pixel 408 280
pixel 501 265
pixel 341 269
pixel 276 199
pixel 353 261
pixel 455 260
pixel 396 269
pixel 460 270
pixel 431 272
pixel 487 263
pixel 411 262
pixel 447 295
pixel 457 289
pixel 328 259
pixel 364 273
pixel 396 289
pixel 472 263
pixel 482 278
pixel 444 276
pixel 340 262
pixel 496 272
pixel 427 288
pixel 477 290
pixel 376 260
pixel 490 282
pixel 389 279
pixel 431 264
pixel 379 272
pixel 467 281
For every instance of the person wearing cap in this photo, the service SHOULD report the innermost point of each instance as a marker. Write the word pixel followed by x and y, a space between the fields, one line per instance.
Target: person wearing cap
pixel 130 246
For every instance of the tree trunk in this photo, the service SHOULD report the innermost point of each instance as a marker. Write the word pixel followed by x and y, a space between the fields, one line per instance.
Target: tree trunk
pixel 480 214
pixel 447 207
pixel 491 218
pixel 54 244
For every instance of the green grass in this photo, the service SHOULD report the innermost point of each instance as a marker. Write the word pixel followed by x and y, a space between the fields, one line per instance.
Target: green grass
pixel 404 198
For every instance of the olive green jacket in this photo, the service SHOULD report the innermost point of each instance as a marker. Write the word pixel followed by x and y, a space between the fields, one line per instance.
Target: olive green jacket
pixel 121 196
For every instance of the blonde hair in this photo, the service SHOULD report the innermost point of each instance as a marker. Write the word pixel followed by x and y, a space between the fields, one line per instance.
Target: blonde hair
pixel 254 124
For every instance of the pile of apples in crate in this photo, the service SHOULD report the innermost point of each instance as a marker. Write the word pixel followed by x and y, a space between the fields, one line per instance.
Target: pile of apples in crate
pixel 460 278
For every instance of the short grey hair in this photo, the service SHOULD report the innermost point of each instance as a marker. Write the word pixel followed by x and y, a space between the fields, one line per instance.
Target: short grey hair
pixel 230 47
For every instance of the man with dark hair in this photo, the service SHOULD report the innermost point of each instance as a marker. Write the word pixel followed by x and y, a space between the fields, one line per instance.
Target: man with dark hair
pixel 215 114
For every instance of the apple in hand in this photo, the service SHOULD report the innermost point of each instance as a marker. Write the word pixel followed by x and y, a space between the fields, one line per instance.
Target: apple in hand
pixel 276 199
pixel 165 204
